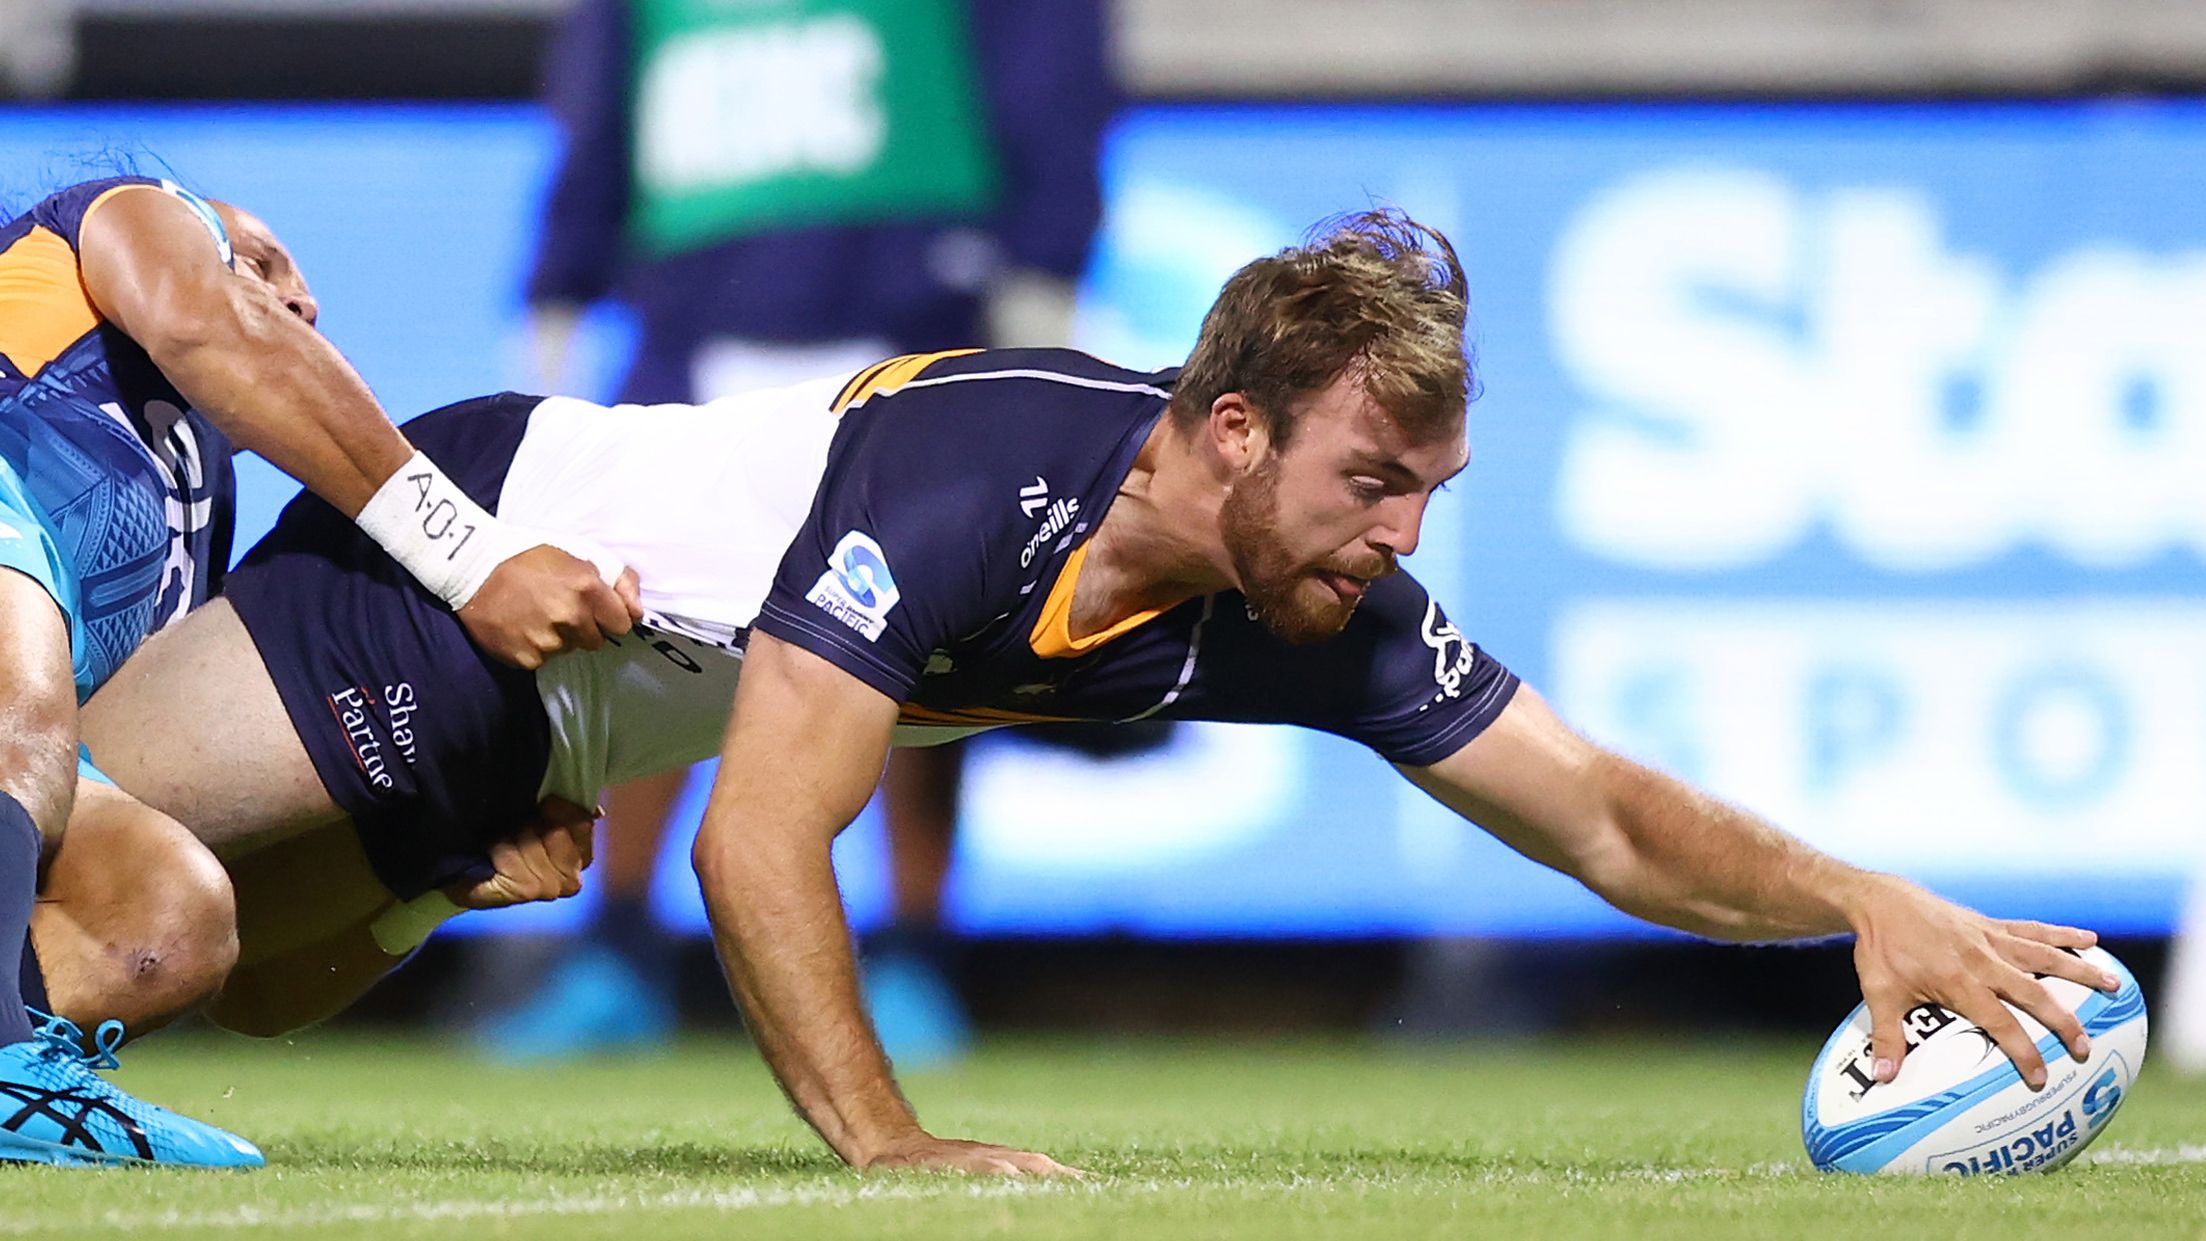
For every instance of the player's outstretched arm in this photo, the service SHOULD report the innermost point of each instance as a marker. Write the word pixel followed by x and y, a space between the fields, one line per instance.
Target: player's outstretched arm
pixel 802 755
pixel 1660 850
pixel 242 350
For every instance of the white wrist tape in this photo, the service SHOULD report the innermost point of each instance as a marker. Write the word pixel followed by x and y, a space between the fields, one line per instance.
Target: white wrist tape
pixel 401 928
pixel 447 541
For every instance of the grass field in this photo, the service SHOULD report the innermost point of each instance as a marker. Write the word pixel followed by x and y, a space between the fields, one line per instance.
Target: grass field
pixel 1641 1140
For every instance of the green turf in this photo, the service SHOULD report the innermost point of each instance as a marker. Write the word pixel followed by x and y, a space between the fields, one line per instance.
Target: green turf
pixel 1227 1140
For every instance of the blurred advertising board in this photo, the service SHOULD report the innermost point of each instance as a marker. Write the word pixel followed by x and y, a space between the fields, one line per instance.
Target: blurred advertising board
pixel 1845 460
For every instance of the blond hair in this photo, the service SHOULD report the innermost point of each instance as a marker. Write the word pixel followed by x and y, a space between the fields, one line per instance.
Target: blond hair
pixel 1374 294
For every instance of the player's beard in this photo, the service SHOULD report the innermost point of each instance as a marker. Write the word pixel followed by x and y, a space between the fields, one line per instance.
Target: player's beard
pixel 1275 582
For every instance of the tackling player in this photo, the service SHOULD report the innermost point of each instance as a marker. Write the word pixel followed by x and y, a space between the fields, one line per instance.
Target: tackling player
pixel 142 330
pixel 937 545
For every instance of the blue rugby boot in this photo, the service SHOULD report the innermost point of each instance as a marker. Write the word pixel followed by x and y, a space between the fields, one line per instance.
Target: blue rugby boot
pixel 597 1003
pixel 916 1008
pixel 55 1109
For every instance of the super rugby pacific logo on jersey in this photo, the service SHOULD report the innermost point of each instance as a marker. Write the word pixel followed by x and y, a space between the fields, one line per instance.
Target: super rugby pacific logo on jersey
pixel 857 588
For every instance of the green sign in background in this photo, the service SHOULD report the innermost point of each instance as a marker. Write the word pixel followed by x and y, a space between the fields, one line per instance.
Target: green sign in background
pixel 754 115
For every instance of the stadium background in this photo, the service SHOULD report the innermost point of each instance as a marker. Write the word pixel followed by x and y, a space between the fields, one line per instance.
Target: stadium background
pixel 1844 406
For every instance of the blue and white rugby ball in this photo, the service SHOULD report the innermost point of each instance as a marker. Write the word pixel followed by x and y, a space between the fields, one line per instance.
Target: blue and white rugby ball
pixel 1958 1104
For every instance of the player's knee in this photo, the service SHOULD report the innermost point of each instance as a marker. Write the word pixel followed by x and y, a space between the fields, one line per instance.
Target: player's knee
pixel 178 957
pixel 203 916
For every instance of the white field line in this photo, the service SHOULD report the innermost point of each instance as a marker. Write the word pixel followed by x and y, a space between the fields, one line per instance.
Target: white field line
pixel 433 1211
pixel 2156 1157
pixel 737 1199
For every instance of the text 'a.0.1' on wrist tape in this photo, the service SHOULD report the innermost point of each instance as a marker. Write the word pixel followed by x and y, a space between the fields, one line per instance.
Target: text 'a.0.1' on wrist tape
pixel 452 544
pixel 441 536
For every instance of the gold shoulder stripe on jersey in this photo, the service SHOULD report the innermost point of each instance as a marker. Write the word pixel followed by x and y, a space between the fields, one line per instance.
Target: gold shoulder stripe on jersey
pixel 43 307
pixel 884 378
pixel 850 390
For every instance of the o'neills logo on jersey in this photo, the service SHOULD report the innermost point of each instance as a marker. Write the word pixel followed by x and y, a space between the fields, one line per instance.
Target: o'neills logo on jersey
pixel 378 738
pixel 1055 522
pixel 1452 657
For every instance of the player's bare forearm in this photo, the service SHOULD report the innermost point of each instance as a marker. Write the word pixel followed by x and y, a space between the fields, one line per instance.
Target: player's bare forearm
pixel 277 387
pixel 800 760
pixel 1645 842
pixel 1653 847
pixel 785 947
pixel 235 350
pixel 1695 863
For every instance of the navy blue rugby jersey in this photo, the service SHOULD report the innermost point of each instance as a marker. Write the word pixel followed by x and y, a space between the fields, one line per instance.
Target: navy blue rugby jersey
pixel 82 406
pixel 940 554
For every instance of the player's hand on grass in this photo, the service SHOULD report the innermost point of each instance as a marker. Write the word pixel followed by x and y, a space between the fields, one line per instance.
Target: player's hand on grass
pixel 1913 947
pixel 925 1152
pixel 546 600
pixel 544 861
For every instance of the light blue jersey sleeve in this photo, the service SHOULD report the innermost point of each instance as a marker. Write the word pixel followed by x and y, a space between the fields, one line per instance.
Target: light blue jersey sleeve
pixel 28 548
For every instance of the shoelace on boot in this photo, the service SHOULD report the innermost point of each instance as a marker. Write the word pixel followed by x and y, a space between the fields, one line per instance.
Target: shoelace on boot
pixel 61 1035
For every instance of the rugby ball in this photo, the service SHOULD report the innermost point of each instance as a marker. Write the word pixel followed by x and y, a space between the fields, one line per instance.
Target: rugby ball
pixel 1958 1104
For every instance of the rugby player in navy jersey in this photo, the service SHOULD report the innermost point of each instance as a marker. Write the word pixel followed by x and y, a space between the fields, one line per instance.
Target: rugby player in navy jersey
pixel 940 544
pixel 143 330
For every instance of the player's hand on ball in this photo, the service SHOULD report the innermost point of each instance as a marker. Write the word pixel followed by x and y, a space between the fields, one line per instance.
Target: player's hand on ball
pixel 544 861
pixel 924 1152
pixel 1911 947
pixel 546 600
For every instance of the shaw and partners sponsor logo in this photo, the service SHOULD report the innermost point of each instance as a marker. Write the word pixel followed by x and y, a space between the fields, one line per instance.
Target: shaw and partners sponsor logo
pixel 379 730
pixel 857 588
pixel 1057 517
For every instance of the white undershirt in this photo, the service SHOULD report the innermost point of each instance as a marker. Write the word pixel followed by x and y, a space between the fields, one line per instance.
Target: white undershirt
pixel 701 500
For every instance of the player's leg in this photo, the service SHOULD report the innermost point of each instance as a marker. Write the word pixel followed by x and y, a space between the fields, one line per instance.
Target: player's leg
pixel 97 1124
pixel 236 782
pixel 38 766
pixel 915 1007
pixel 920 787
pixel 306 898
pixel 363 746
pixel 309 906
pixel 135 921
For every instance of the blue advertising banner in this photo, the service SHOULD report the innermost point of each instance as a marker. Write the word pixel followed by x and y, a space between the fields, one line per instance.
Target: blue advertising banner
pixel 1841 459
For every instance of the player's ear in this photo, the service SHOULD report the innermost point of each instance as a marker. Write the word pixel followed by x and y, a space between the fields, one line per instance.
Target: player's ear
pixel 1237 431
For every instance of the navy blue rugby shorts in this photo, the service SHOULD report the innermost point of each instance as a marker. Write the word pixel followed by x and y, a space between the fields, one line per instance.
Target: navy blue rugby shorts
pixel 434 748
